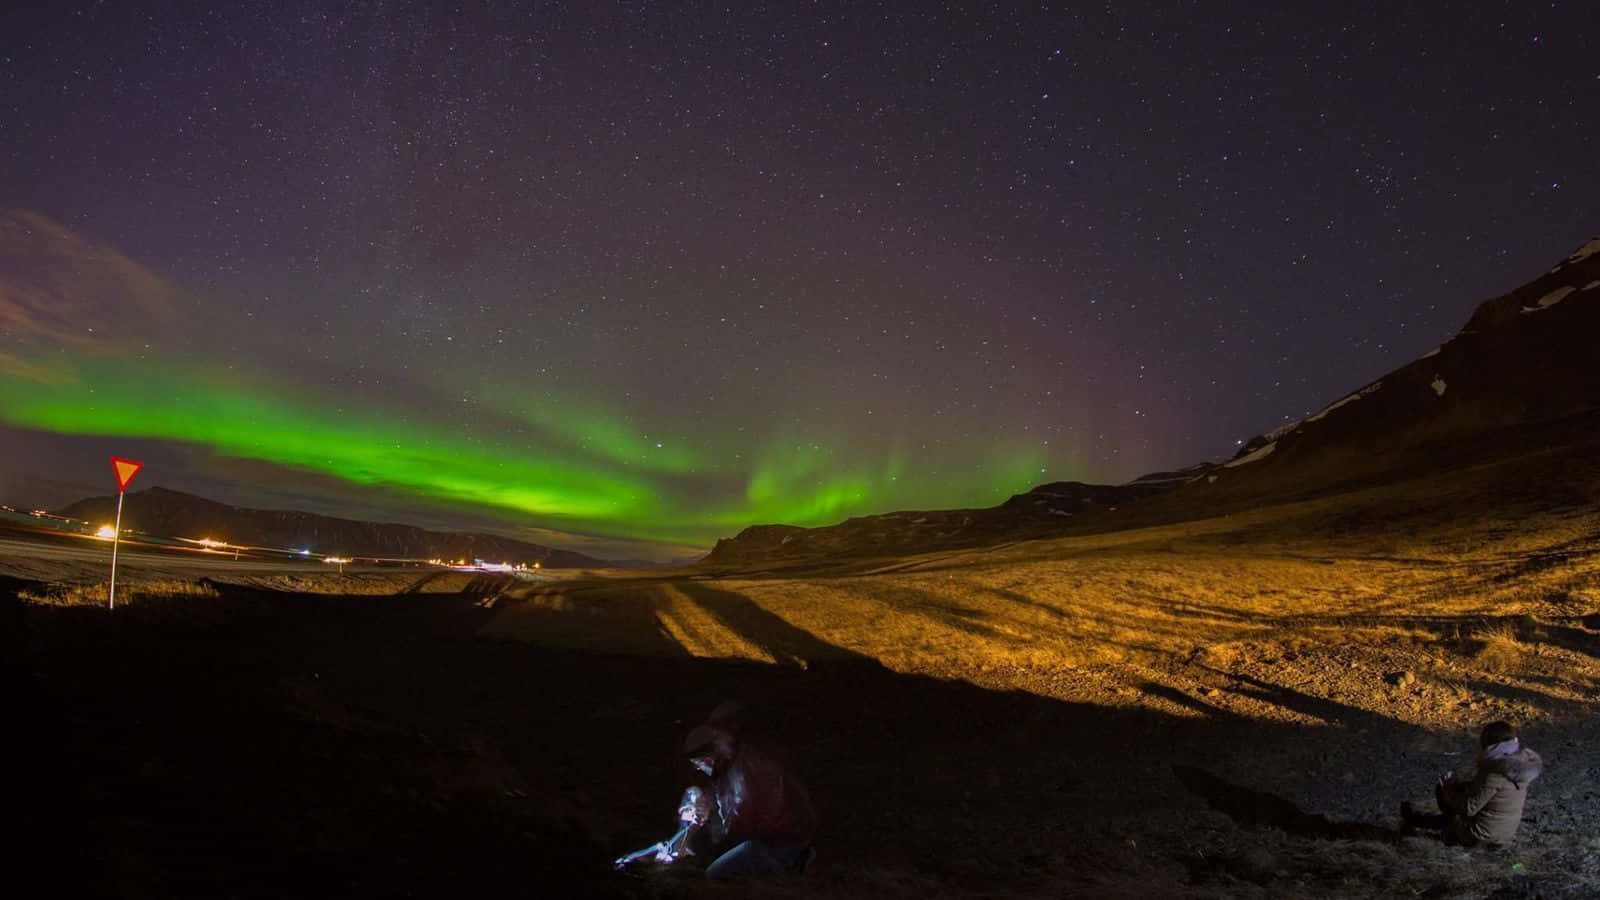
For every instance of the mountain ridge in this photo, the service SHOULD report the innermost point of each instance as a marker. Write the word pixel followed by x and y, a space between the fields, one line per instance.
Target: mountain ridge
pixel 164 511
pixel 1519 363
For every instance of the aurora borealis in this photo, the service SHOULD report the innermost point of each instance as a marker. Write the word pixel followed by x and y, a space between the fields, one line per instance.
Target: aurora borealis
pixel 641 276
pixel 564 459
pixel 587 474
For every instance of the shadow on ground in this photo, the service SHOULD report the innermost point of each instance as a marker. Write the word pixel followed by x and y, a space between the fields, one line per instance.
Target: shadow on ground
pixel 1263 810
pixel 261 744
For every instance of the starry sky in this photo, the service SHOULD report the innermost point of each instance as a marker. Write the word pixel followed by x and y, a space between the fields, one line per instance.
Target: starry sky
pixel 628 277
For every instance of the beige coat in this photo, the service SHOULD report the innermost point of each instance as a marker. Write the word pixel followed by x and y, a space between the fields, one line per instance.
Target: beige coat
pixel 1489 807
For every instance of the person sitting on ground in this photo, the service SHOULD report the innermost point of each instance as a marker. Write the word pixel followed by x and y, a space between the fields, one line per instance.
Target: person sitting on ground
pixel 762 821
pixel 1488 808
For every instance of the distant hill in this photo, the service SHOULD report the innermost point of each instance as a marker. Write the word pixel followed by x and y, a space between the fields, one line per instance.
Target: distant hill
pixel 1520 373
pixel 1044 509
pixel 175 514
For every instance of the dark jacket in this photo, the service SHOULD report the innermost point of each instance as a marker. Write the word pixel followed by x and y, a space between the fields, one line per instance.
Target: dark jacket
pixel 1489 807
pixel 757 797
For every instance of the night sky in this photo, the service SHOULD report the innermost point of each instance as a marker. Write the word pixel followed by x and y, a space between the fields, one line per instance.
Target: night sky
pixel 629 277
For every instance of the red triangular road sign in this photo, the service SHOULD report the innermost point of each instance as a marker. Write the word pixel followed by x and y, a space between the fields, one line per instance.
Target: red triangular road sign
pixel 125 469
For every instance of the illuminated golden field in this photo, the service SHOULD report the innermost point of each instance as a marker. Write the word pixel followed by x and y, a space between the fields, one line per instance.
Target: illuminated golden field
pixel 1010 721
pixel 1276 594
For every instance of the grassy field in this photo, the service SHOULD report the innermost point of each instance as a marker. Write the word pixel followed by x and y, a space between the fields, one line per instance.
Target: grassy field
pixel 992 722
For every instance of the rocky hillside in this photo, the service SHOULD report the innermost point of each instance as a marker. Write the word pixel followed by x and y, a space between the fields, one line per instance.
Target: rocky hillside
pixel 176 514
pixel 1520 372
pixel 1523 359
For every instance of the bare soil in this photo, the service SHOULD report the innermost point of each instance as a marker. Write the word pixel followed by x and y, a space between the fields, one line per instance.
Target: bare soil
pixel 1231 707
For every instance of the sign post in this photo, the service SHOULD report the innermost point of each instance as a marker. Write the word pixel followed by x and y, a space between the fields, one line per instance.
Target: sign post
pixel 124 469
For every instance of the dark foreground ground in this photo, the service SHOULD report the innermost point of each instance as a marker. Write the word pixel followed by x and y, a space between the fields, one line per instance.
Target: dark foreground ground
pixel 262 744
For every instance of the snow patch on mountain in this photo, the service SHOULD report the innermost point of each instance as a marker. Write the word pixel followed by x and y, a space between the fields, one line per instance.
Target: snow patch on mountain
pixel 1592 285
pixel 1366 391
pixel 1169 479
pixel 1551 299
pixel 1255 455
pixel 1584 252
pixel 1281 430
pixel 1433 352
pixel 1579 255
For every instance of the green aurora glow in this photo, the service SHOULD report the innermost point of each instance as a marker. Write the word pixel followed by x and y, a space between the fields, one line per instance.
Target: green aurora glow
pixel 559 464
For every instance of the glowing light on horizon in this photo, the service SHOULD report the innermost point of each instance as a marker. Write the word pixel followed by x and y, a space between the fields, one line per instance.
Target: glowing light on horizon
pixel 592 475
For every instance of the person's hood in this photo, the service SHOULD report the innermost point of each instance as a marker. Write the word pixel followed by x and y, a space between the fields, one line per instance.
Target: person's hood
pixel 1520 768
pixel 710 737
pixel 720 732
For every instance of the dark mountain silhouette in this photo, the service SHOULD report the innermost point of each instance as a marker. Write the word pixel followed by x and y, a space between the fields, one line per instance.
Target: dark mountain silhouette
pixel 175 514
pixel 1518 377
pixel 1523 360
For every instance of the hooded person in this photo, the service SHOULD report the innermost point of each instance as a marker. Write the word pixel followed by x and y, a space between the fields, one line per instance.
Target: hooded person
pixel 762 821
pixel 1488 808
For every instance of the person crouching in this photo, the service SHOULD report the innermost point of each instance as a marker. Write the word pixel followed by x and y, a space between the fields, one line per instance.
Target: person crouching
pixel 1487 808
pixel 762 821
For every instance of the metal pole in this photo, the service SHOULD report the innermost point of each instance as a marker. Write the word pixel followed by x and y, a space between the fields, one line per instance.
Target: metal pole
pixel 115 540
